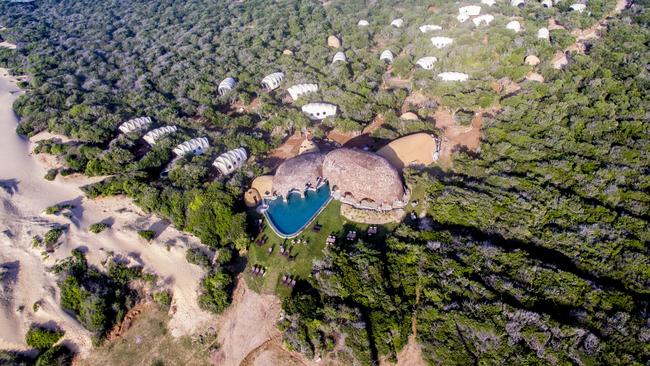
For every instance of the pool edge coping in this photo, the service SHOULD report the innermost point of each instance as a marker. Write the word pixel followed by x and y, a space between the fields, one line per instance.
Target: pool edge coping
pixel 316 214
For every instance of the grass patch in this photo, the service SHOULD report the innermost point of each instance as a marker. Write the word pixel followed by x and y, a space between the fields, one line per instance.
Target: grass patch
pixel 147 234
pixel 97 227
pixel 276 265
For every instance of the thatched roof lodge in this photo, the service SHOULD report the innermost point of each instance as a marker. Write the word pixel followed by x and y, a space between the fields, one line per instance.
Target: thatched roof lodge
pixel 154 135
pixel 363 180
pixel 135 124
pixel 412 150
pixel 298 174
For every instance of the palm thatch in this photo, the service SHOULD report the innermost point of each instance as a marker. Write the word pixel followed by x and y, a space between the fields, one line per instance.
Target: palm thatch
pixel 298 173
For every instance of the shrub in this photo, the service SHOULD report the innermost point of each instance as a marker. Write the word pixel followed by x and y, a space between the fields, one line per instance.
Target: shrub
pixel 56 356
pixel 215 292
pixel 147 234
pixel 163 298
pixel 196 256
pixel 53 235
pixel 51 174
pixel 41 338
pixel 97 227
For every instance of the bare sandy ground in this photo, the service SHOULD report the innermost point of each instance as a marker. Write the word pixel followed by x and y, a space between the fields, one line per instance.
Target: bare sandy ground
pixel 248 334
pixel 27 281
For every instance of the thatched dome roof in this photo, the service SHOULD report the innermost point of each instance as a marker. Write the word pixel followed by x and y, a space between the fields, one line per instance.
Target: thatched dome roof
pixel 298 173
pixel 362 176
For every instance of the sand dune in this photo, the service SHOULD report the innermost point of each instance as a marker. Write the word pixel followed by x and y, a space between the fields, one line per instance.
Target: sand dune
pixel 26 280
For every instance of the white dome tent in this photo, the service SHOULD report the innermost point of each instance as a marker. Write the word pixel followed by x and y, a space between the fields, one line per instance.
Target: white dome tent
pixel 429 28
pixel 154 135
pixel 230 161
pixel 135 124
pixel 319 111
pixel 514 26
pixel 453 76
pixel 296 91
pixel 194 146
pixel 386 56
pixel 226 85
pixel 441 42
pixel 487 19
pixel 471 10
pixel 339 57
pixel 363 23
pixel 426 62
pixel 272 81
pixel 397 23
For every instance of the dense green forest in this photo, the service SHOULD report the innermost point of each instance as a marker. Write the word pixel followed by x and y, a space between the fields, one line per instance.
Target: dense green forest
pixel 533 251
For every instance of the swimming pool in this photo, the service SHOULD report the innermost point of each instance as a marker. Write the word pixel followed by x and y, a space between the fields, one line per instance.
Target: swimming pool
pixel 288 218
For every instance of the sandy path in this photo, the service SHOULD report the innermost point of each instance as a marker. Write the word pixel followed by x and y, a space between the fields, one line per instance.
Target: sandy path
pixel 455 136
pixel 22 217
pixel 248 332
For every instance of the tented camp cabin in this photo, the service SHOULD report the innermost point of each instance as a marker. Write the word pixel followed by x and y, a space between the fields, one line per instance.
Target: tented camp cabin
pixel 514 26
pixel 453 76
pixel 317 111
pixel 272 81
pixel 547 3
pixel 486 18
pixel 578 7
pixel 339 57
pixel 153 136
pixel 462 18
pixel 397 23
pixel 429 28
pixel 441 42
pixel 413 150
pixel 230 161
pixel 471 10
pixel 296 91
pixel 226 85
pixel 386 56
pixel 488 2
pixel 543 33
pixel 426 62
pixel 135 124
pixel 363 23
pixel 517 3
pixel 194 146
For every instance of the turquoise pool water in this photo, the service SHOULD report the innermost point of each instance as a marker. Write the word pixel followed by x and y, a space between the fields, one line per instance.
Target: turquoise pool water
pixel 288 218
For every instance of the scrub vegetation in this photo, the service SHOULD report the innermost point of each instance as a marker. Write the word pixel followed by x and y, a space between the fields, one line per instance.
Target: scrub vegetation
pixel 531 250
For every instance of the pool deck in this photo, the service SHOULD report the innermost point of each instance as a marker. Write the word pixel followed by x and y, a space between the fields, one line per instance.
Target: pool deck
pixel 299 231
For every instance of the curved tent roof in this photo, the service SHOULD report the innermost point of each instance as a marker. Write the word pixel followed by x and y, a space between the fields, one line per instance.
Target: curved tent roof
pixel 441 42
pixel 387 55
pixel 517 3
pixel 471 10
pixel 453 76
pixel 514 25
pixel 543 33
pixel 363 23
pixel 226 85
pixel 578 7
pixel 272 81
pixel 195 146
pixel 319 110
pixel 429 28
pixel 154 135
pixel 339 56
pixel 426 62
pixel 397 23
pixel 296 91
pixel 135 124
pixel 488 2
pixel 485 18
pixel 230 161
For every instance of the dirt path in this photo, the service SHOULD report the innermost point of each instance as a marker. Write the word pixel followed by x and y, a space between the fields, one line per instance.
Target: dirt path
pixel 248 333
pixel 593 32
pixel 455 136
